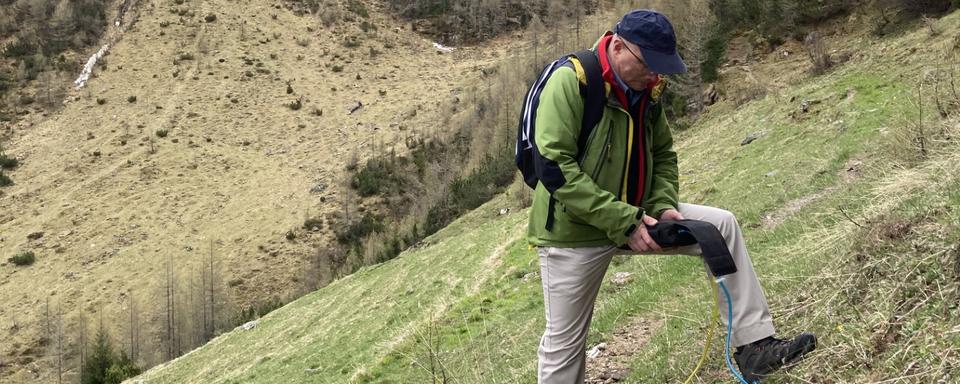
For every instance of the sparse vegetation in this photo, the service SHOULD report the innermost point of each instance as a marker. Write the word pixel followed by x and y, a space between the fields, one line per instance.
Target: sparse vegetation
pixel 257 311
pixel 7 162
pixel 5 180
pixel 351 42
pixel 353 233
pixel 104 365
pixel 378 177
pixel 358 8
pixel 62 28
pixel 23 258
pixel 185 56
pixel 313 224
pixel 296 104
pixel 367 26
pixel 162 132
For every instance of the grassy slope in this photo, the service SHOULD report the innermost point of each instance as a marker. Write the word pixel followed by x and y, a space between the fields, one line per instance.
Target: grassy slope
pixel 879 289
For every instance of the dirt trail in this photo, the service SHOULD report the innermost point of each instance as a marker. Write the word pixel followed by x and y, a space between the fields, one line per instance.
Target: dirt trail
pixel 611 364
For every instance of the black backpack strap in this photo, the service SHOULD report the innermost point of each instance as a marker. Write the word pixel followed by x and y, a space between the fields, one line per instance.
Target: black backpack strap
pixel 552 206
pixel 593 99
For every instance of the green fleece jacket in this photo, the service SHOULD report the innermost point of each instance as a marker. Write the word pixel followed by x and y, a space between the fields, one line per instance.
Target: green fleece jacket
pixel 589 189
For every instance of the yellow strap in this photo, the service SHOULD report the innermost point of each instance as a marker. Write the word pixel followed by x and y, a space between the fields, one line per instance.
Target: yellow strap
pixel 626 170
pixel 715 319
pixel 581 74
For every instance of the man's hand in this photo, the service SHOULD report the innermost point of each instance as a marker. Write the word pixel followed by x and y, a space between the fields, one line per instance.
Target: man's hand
pixel 640 240
pixel 671 215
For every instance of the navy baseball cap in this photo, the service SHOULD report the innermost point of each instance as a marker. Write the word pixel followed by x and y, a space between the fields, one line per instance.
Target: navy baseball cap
pixel 653 33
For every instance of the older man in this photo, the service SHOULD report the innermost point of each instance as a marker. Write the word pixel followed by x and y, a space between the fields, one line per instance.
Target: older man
pixel 595 199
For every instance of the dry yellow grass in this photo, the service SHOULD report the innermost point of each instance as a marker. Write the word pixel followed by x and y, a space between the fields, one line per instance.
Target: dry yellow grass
pixel 235 170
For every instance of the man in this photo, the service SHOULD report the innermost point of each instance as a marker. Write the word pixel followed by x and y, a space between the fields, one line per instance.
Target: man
pixel 589 205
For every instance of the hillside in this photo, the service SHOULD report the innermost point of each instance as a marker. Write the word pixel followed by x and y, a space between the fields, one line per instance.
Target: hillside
pixel 211 129
pixel 848 195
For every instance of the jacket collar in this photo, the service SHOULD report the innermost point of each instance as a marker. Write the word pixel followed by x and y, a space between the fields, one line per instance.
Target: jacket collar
pixel 600 47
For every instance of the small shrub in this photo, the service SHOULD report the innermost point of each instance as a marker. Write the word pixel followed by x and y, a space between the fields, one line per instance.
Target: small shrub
pixel 378 176
pixel 367 26
pixel 313 224
pixel 351 42
pixel 5 180
pixel 19 48
pixel 355 232
pixel 358 8
pixel 296 105
pixel 184 56
pixel 210 18
pixel 164 24
pixel 162 132
pixel 23 258
pixel 132 99
pixel 26 100
pixel 290 235
pixel 7 162
pixel 337 68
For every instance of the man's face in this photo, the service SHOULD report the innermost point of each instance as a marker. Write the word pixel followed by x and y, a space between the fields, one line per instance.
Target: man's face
pixel 629 64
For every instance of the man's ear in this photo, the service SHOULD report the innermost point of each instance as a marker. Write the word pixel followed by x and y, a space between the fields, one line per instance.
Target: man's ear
pixel 617 44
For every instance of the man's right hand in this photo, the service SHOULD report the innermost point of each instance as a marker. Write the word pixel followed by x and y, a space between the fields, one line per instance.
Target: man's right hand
pixel 640 240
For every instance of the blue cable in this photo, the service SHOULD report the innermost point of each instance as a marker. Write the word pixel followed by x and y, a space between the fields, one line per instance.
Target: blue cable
pixel 730 332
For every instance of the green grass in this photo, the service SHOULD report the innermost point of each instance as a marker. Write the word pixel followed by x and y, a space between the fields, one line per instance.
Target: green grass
pixel 879 283
pixel 353 323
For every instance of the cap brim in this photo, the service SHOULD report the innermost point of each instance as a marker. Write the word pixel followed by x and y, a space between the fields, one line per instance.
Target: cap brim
pixel 664 63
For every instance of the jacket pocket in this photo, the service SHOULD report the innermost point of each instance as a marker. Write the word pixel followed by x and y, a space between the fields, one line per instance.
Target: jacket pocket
pixel 594 152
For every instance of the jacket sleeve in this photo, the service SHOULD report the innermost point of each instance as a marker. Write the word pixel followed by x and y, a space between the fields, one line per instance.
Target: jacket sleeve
pixel 558 120
pixel 665 184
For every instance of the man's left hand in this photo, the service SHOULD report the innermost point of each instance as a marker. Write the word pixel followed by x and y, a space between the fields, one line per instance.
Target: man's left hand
pixel 671 215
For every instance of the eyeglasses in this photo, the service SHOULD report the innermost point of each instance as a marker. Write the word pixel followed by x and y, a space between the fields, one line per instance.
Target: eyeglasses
pixel 639 59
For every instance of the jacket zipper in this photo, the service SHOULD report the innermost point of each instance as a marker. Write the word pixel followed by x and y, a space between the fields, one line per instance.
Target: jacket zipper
pixel 603 155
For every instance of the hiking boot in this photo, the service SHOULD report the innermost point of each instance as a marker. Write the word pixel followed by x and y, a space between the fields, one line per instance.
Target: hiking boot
pixel 760 358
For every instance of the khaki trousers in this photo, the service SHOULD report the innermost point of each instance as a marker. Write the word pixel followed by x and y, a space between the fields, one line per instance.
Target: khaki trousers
pixel 572 276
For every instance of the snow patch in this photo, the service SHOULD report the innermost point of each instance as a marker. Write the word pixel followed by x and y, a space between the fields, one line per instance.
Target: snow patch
pixel 88 68
pixel 442 48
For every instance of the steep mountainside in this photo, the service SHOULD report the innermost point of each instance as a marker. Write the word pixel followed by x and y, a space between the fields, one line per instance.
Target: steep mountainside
pixel 845 183
pixel 212 127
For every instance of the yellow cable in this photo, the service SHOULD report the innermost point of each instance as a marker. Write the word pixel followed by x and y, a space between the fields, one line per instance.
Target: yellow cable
pixel 715 319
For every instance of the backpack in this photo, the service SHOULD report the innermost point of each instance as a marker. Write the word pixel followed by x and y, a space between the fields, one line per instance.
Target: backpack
pixel 593 103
